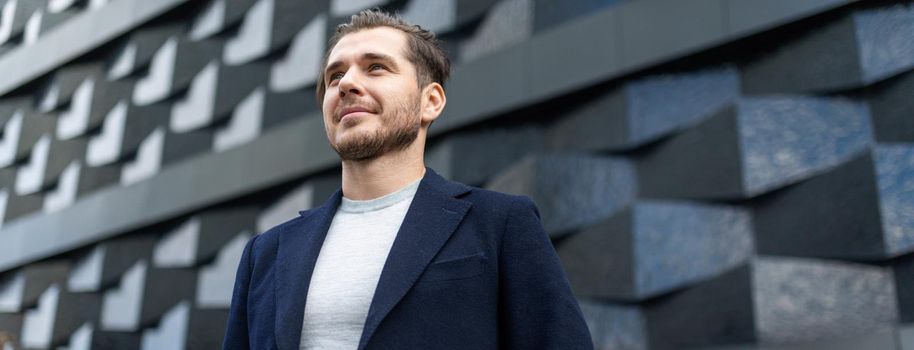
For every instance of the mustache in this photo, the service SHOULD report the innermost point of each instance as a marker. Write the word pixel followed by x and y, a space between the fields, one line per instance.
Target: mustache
pixel 352 102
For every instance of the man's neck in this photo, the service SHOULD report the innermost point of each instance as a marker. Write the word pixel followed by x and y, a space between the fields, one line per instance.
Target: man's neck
pixel 374 178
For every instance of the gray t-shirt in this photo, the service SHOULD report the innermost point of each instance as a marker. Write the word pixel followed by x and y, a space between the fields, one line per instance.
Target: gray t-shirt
pixel 348 269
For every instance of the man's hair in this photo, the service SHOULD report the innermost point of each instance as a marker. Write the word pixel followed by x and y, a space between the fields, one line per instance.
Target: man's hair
pixel 423 49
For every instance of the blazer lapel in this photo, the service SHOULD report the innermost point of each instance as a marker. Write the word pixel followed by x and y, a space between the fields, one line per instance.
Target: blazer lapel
pixel 431 219
pixel 297 253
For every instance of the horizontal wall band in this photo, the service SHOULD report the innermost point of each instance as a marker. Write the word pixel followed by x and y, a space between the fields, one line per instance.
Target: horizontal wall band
pixel 76 37
pixel 600 47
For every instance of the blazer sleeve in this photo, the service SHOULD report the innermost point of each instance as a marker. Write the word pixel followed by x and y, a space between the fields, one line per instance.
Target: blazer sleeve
pixel 236 332
pixel 537 309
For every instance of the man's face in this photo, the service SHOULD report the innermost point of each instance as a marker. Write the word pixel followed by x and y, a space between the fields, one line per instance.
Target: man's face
pixel 372 103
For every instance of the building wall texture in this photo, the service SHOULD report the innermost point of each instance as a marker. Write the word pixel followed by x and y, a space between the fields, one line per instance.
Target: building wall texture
pixel 713 173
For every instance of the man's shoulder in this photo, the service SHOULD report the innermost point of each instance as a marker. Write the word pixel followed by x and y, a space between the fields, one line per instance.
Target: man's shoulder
pixel 271 236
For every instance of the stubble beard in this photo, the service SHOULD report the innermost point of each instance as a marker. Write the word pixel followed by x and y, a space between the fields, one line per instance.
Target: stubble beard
pixel 397 134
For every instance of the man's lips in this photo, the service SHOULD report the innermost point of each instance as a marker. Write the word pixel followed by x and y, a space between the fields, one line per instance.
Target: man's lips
pixel 351 110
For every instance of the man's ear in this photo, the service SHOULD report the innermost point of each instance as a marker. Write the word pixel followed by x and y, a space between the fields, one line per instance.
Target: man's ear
pixel 433 101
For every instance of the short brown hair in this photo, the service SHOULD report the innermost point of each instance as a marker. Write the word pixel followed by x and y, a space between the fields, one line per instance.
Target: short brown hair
pixel 424 51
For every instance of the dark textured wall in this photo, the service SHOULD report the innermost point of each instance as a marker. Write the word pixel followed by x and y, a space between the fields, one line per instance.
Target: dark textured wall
pixel 713 173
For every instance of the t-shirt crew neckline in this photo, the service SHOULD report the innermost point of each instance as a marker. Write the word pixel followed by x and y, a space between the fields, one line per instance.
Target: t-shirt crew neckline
pixel 361 206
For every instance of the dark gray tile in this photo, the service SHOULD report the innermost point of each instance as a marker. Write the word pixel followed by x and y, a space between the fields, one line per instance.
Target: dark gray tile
pixel 755 146
pixel 571 190
pixel 774 301
pixel 656 247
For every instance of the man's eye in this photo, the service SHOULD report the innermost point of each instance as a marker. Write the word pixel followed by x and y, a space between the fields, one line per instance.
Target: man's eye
pixel 376 66
pixel 335 76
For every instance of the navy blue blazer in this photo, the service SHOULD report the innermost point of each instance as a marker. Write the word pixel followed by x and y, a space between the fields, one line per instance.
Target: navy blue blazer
pixel 469 269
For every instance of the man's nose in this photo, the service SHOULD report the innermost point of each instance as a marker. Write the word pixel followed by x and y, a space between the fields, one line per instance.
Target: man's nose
pixel 350 84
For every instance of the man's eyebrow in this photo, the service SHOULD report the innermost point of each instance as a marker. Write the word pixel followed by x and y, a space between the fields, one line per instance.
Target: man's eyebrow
pixel 368 56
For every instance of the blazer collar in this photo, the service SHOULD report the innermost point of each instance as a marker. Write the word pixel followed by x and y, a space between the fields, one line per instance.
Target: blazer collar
pixel 432 217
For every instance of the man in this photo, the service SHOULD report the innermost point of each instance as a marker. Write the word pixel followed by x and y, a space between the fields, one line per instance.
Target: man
pixel 400 258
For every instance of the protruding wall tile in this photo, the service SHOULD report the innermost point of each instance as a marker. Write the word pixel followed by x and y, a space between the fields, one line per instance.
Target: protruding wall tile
pixel 121 306
pixel 508 23
pixel 437 16
pixel 866 216
pixel 140 49
pixel 64 194
pixel 124 62
pixel 195 110
pixel 244 125
pixel 280 107
pixel 253 39
pixel 209 21
pixel 201 237
pixel 615 326
pixel 38 324
pixel 105 147
pixel 215 281
pixel 12 292
pixel 286 208
pixel 86 275
pixel 30 177
pixel 156 85
pixel 172 330
pixel 474 157
pixel 8 145
pixel 570 190
pixel 148 159
pixel 183 285
pixel 178 248
pixel 644 110
pixel 755 146
pixel 858 49
pixel 339 8
pixel 302 62
pixel 773 301
pixel 891 104
pixel 655 247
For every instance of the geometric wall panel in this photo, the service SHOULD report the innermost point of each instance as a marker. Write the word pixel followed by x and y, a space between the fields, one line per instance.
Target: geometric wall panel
pixel 571 190
pixel 437 16
pixel 776 301
pixel 867 214
pixel 300 66
pixel 216 281
pixel 757 145
pixel 202 237
pixel 472 158
pixel 856 50
pixel 654 247
pixel 645 110
pixel 508 22
pixel 253 39
pixel 615 326
pixel 891 104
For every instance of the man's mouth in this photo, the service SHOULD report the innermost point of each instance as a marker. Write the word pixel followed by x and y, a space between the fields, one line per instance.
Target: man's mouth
pixel 354 110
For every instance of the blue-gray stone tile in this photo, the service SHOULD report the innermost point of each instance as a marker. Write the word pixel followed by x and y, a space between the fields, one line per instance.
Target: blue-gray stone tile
pixel 775 301
pixel 508 23
pixel 571 190
pixel 895 177
pixel 474 157
pixel 891 104
pixel 614 326
pixel 756 146
pixel 866 215
pixel 645 110
pixel 857 49
pixel 655 247
pixel 549 13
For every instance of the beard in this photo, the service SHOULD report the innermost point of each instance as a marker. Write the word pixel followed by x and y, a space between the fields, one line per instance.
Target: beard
pixel 399 129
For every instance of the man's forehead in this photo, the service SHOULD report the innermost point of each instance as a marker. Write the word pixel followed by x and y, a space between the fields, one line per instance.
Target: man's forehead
pixel 380 40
